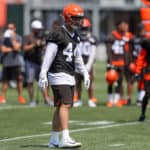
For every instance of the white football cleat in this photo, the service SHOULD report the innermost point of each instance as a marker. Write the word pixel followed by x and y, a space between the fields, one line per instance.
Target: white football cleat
pixel 33 103
pixel 53 144
pixel 78 103
pixel 91 103
pixel 69 143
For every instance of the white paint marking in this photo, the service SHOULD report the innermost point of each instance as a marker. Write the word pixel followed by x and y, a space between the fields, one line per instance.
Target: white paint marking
pixel 95 123
pixel 116 145
pixel 70 122
pixel 13 107
pixel 47 123
pixel 85 123
pixel 73 131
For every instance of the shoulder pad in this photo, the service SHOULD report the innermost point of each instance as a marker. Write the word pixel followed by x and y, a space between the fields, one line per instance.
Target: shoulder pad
pixel 92 40
pixel 57 36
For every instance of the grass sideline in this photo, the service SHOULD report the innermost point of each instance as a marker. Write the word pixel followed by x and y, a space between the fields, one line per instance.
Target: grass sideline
pixel 101 128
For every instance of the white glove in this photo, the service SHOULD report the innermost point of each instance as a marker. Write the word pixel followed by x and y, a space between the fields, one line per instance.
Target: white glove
pixel 43 82
pixel 88 67
pixel 86 80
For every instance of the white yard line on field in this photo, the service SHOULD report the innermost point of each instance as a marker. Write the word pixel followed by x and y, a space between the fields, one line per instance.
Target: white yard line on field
pixel 85 123
pixel 13 107
pixel 116 145
pixel 73 131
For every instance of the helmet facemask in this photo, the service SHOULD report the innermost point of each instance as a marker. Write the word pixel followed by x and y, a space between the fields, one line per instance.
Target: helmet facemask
pixel 84 31
pixel 75 22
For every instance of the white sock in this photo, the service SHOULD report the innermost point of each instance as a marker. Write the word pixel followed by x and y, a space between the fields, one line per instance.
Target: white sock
pixel 116 97
pixel 54 136
pixel 141 95
pixel 110 97
pixel 65 134
pixel 79 100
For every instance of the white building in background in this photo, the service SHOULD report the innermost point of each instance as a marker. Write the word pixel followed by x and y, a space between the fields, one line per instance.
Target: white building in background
pixel 102 13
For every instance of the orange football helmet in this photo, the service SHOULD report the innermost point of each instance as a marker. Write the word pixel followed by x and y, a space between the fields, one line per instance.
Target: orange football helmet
pixel 85 28
pixel 73 14
pixel 86 23
pixel 111 76
pixel 146 2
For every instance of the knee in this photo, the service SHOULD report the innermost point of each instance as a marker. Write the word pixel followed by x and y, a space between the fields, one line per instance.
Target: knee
pixel 20 78
pixel 145 98
pixel 66 106
pixel 147 94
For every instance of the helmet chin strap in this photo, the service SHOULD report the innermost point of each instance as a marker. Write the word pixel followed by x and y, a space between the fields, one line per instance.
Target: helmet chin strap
pixel 84 33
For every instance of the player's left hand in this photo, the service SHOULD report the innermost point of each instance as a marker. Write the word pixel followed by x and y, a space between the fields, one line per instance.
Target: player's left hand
pixel 88 68
pixel 43 81
pixel 86 80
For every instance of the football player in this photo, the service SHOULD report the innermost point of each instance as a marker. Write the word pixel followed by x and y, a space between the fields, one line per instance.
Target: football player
pixel 116 50
pixel 88 51
pixel 136 43
pixel 143 61
pixel 61 59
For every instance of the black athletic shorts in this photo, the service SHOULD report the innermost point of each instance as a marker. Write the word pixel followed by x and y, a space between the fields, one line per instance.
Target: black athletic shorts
pixel 63 94
pixel 147 86
pixel 11 73
pixel 129 75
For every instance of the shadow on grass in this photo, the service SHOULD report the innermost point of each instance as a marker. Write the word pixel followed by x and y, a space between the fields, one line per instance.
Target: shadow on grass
pixel 34 146
pixel 45 146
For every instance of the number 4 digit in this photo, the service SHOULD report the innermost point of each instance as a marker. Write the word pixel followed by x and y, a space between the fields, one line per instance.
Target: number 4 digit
pixel 68 52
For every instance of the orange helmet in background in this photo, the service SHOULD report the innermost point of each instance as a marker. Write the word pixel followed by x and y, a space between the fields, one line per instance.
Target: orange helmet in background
pixel 72 10
pixel 85 28
pixel 146 2
pixel 86 23
pixel 111 76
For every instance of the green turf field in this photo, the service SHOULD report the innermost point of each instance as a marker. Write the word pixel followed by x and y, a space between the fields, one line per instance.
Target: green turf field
pixel 101 128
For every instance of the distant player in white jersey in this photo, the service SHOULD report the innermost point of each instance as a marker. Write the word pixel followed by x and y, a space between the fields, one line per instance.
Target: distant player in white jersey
pixel 88 51
pixel 61 59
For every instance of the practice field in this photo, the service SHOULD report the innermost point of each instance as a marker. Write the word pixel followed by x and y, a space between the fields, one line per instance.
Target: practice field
pixel 100 128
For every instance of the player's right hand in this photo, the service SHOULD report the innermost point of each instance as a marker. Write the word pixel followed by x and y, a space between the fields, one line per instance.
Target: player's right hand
pixel 43 82
pixel 137 77
pixel 86 80
pixel 110 66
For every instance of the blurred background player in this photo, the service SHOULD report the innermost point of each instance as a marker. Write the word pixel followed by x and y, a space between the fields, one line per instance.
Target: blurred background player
pixel 11 62
pixel 1 38
pixel 88 51
pixel 61 59
pixel 116 44
pixel 129 75
pixel 33 46
pixel 136 49
pixel 143 60
pixel 1 43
